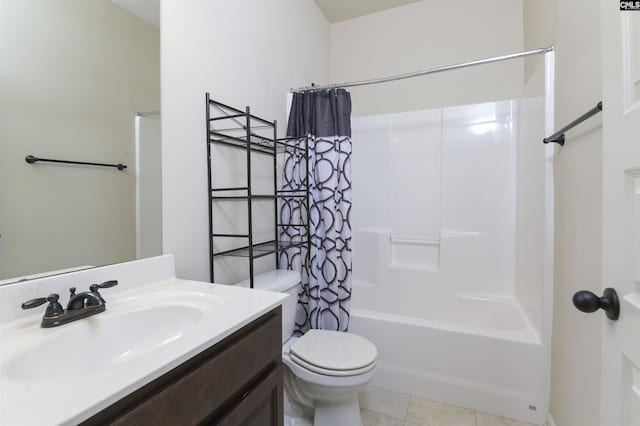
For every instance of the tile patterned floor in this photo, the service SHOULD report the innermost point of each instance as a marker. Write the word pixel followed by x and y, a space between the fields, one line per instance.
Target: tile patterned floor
pixel 381 407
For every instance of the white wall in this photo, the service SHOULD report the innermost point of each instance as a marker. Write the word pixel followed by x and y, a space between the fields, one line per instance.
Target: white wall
pixel 243 53
pixel 539 25
pixel 429 34
pixel 74 74
pixel 574 29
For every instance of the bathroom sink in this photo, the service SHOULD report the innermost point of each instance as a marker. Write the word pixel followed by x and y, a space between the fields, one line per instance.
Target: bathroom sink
pixel 73 371
pixel 104 341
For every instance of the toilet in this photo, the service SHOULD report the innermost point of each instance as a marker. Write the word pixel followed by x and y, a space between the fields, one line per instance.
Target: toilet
pixel 325 370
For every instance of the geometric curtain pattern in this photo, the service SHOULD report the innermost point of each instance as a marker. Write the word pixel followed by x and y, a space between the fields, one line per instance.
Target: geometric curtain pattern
pixel 325 294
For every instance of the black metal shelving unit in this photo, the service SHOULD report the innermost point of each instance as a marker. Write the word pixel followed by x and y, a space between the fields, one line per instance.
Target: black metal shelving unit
pixel 237 129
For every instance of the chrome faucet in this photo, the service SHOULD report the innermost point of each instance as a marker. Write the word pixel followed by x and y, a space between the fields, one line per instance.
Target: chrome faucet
pixel 80 305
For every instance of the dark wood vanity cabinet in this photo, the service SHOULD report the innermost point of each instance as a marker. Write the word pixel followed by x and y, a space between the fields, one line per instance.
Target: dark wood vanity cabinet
pixel 238 381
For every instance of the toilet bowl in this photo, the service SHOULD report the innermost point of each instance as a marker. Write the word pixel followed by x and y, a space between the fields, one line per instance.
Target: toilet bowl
pixel 325 369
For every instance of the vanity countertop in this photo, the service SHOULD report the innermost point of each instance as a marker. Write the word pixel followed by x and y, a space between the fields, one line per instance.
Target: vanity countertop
pixel 66 374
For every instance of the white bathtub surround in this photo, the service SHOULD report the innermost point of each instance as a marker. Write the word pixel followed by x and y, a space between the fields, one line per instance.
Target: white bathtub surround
pixel 451 279
pixel 102 370
pixel 449 176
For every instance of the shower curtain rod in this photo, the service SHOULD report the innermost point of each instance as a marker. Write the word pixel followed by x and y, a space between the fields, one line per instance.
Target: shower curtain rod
pixel 427 71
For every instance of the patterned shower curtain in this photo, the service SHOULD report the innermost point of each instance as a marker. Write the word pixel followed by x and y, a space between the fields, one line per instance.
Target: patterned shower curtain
pixel 325 118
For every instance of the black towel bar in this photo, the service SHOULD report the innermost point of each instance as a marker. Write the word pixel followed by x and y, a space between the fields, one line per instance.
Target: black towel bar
pixel 558 137
pixel 32 159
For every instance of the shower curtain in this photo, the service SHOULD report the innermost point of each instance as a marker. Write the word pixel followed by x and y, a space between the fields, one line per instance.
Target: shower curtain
pixel 325 118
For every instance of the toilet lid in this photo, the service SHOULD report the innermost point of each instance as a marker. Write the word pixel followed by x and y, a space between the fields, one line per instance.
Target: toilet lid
pixel 325 351
pixel 334 373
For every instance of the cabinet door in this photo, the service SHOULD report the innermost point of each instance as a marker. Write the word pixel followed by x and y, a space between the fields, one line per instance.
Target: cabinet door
pixel 261 406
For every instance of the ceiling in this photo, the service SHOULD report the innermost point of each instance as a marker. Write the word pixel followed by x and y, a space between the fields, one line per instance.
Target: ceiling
pixel 149 10
pixel 341 10
pixel 334 10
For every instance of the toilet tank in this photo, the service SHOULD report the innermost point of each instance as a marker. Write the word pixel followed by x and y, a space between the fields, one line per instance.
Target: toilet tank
pixel 283 281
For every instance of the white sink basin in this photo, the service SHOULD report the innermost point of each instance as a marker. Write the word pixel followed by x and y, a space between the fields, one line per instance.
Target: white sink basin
pixel 103 341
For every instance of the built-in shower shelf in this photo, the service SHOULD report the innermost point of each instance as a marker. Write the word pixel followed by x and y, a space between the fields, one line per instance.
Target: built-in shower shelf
pixel 262 249
pixel 414 241
pixel 415 254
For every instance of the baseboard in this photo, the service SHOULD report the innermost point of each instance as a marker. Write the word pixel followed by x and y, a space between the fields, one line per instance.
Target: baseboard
pixel 550 421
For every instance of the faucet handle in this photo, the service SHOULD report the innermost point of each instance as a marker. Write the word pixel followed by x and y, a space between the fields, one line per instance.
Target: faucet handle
pixel 33 303
pixel 72 292
pixel 54 308
pixel 95 287
pixel 107 284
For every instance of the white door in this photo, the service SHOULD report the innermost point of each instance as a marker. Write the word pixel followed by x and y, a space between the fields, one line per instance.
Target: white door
pixel 621 213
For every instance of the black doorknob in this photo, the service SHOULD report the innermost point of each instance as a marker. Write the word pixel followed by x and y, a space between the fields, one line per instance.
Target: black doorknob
pixel 590 302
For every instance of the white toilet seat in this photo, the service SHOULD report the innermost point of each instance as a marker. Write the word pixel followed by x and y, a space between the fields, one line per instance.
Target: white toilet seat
pixel 309 376
pixel 352 357
pixel 329 372
pixel 334 353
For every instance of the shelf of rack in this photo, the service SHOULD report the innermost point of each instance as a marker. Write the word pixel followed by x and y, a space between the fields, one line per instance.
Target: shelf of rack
pixel 257 143
pixel 254 197
pixel 261 249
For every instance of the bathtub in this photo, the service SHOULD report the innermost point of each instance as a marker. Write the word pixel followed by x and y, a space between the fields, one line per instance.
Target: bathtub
pixel 473 351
